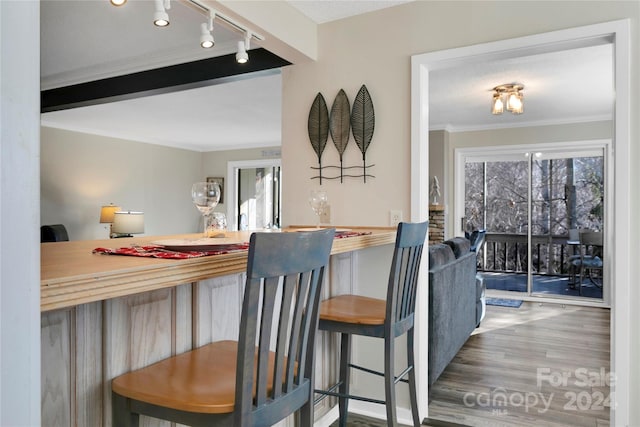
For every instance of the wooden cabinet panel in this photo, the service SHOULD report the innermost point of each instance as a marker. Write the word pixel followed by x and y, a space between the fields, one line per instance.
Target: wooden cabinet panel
pixel 57 349
pixel 217 308
pixel 140 330
pixel 88 379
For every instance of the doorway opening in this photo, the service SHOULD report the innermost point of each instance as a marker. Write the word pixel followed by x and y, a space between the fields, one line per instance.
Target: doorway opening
pixel 617 33
pixel 255 190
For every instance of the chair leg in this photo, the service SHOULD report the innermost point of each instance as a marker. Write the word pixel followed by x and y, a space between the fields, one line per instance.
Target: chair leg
pixel 389 383
pixel 413 396
pixel 305 414
pixel 345 374
pixel 581 278
pixel 121 416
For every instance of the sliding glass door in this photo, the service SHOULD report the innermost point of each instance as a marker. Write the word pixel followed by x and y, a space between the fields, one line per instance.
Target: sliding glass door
pixel 534 206
pixel 497 200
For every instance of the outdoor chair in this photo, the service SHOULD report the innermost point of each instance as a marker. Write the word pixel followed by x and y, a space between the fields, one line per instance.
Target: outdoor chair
pixel 235 382
pixel 387 319
pixel 476 238
pixel 589 258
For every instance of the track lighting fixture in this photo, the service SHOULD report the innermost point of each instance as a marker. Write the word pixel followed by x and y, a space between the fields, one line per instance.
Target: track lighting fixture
pixel 242 56
pixel 161 17
pixel 206 38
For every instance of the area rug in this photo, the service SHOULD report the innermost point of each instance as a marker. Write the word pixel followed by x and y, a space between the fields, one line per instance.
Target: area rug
pixel 503 302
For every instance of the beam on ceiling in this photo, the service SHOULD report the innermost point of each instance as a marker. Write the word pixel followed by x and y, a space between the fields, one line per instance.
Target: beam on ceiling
pixel 205 72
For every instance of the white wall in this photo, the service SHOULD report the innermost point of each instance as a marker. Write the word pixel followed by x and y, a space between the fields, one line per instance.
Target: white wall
pixel 19 209
pixel 82 172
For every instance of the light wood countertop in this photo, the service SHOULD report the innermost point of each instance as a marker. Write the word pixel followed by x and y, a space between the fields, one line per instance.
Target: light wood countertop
pixel 71 274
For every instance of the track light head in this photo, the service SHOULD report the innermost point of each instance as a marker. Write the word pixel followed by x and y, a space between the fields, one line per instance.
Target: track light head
pixel 206 28
pixel 242 56
pixel 243 46
pixel 206 38
pixel 161 17
pixel 118 2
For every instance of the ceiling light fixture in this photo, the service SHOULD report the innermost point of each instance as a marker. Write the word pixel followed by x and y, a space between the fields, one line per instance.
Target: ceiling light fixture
pixel 161 17
pixel 242 56
pixel 206 38
pixel 509 96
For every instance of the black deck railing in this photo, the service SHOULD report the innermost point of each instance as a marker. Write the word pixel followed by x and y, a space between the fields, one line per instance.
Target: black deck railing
pixel 504 252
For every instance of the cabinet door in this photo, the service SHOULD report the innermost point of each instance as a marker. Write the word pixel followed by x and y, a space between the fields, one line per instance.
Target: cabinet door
pixel 71 358
pixel 143 329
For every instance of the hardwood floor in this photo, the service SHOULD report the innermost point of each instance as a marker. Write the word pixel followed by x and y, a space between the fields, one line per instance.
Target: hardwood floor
pixel 538 364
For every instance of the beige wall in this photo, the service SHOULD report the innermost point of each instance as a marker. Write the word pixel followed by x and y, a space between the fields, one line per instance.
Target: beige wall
pixel 81 172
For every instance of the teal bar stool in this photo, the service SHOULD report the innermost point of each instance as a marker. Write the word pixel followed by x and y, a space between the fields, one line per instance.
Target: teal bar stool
pixel 237 383
pixel 387 319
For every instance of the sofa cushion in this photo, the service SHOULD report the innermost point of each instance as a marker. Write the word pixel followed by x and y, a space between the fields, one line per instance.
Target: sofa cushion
pixel 440 254
pixel 459 246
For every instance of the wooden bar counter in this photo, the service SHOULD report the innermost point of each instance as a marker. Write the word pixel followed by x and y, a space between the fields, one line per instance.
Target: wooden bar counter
pixel 103 315
pixel 71 274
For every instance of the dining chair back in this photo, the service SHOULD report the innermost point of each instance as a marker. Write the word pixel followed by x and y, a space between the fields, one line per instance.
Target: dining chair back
pixel 359 315
pixel 268 373
pixel 53 233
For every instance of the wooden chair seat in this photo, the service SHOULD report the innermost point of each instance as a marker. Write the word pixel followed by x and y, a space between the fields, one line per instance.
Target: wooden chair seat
pixel 189 381
pixel 354 309
pixel 264 376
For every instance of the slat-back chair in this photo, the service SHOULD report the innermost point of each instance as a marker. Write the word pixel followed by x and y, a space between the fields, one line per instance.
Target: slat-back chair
pixel 387 319
pixel 257 380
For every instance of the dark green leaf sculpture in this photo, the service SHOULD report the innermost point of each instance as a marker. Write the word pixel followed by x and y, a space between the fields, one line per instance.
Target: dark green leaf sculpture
pixel 318 127
pixel 339 124
pixel 363 121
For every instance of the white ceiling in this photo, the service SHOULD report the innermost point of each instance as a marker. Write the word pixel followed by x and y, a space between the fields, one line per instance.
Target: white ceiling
pixel 560 87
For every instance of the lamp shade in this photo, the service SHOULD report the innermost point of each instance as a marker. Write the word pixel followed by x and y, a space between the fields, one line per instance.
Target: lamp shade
pixel 128 222
pixel 107 213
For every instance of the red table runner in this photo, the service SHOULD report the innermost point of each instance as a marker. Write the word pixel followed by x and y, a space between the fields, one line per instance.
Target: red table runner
pixel 155 251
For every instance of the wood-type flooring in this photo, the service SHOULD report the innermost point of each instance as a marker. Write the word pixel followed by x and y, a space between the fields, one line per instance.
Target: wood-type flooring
pixel 543 365
pixel 537 365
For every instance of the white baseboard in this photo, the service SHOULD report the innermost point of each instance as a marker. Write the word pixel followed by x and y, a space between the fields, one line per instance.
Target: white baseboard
pixel 328 418
pixel 371 410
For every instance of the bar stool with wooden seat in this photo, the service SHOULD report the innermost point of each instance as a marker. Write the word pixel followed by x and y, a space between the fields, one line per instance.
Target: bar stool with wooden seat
pixel 235 382
pixel 387 319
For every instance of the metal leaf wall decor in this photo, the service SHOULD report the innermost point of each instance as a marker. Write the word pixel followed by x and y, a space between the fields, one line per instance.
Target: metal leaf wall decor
pixel 339 124
pixel 318 127
pixel 363 121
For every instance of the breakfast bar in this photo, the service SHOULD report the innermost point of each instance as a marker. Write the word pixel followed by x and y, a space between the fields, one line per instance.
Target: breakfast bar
pixel 103 315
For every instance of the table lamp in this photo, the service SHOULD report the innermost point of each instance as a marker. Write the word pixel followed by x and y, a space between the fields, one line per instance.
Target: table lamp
pixel 127 223
pixel 106 215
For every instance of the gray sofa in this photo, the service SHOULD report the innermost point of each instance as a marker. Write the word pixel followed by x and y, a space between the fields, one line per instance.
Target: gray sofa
pixel 455 301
